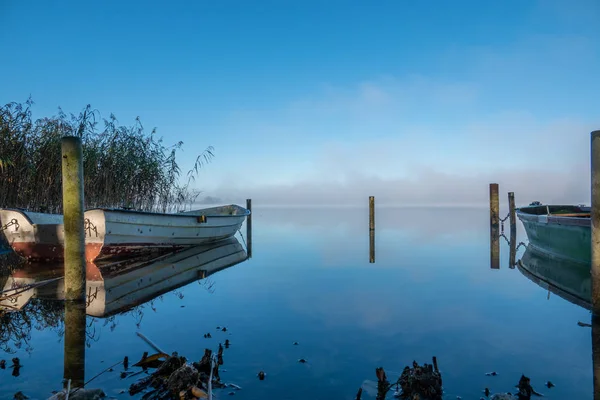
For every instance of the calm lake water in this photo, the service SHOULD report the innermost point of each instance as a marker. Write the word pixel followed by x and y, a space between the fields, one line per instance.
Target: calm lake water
pixel 430 292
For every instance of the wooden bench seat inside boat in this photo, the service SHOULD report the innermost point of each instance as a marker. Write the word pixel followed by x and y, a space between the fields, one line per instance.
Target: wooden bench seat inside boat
pixel 573 215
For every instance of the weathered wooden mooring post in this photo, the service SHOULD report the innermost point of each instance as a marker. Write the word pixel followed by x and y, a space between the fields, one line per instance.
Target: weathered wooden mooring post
pixel 513 230
pixel 595 249
pixel 371 213
pixel 595 221
pixel 494 227
pixel 249 228
pixel 494 206
pixel 73 209
pixel 74 255
pixel 371 229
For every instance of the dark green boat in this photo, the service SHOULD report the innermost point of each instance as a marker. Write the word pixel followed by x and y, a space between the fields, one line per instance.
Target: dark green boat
pixel 559 230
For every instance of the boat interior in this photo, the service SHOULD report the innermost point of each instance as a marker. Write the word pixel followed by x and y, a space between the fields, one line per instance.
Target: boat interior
pixel 557 210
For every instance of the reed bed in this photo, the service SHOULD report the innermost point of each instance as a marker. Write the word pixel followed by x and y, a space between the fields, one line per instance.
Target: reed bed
pixel 124 166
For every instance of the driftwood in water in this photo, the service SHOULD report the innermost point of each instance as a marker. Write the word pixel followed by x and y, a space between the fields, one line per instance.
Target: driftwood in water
pixel 175 378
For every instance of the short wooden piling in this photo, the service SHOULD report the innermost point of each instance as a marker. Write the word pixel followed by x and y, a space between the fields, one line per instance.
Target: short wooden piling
pixel 494 205
pixel 74 351
pixel 511 211
pixel 595 217
pixel 371 213
pixel 494 227
pixel 249 228
pixel 73 209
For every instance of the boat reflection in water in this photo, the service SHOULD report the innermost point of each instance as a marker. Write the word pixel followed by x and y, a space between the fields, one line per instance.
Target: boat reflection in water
pixel 568 279
pixel 118 286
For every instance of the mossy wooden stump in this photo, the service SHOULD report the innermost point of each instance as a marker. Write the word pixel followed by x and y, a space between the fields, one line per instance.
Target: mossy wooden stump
pixel 421 382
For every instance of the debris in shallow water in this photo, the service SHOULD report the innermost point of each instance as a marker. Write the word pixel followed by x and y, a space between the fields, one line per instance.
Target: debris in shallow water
pixel 584 324
pixel 503 396
pixel 80 394
pixel 153 361
pixel 525 389
pixel 359 394
pixel 198 393
pixel 16 366
pixel 184 378
pixel 20 396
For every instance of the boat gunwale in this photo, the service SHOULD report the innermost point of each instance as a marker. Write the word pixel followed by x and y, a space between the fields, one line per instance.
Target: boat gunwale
pixel 24 212
pixel 187 214
pixel 555 219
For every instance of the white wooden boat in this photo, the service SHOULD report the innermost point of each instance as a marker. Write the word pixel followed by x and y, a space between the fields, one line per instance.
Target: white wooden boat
pixel 119 286
pixel 119 232
pixel 35 236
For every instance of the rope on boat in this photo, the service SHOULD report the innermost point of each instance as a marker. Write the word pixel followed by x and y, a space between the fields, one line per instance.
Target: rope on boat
pixel 9 224
pixel 521 244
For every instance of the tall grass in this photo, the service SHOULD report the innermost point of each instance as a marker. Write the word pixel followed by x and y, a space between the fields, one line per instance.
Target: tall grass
pixel 124 166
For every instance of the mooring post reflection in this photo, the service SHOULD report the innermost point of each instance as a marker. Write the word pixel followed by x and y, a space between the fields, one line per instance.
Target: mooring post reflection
pixel 74 355
pixel 371 246
pixel 494 248
pixel 596 355
pixel 249 228
pixel 371 229
pixel 494 227
pixel 512 244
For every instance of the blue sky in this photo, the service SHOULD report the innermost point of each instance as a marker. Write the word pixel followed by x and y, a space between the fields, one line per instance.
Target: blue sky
pixel 331 101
